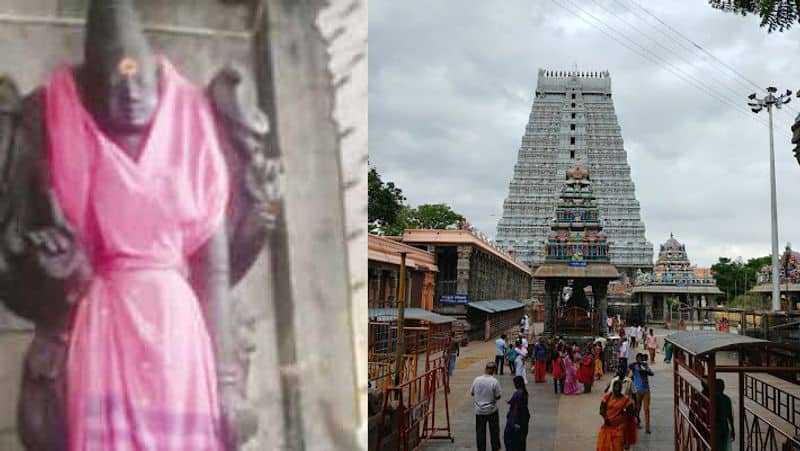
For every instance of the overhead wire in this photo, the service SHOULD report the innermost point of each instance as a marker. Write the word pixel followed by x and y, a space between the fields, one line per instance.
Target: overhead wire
pixel 692 46
pixel 645 53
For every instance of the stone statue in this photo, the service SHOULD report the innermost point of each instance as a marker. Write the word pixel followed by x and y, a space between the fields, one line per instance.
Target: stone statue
pixel 62 256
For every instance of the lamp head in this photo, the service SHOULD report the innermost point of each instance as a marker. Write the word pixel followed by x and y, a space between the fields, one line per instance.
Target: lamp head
pixel 753 96
pixel 772 89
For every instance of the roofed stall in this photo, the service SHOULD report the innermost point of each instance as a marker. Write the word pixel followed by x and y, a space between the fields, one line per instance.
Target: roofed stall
pixel 768 387
pixel 489 318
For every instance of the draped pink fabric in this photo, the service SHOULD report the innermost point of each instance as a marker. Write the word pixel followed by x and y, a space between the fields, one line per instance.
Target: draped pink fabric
pixel 140 365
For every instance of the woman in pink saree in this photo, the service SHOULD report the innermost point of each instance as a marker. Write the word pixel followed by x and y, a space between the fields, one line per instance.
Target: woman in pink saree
pixel 571 386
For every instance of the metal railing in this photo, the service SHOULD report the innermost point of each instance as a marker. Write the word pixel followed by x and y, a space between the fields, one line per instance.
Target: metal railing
pixel 781 403
pixel 761 435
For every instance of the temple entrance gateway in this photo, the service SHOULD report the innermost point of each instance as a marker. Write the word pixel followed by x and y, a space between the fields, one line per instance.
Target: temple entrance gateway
pixel 576 271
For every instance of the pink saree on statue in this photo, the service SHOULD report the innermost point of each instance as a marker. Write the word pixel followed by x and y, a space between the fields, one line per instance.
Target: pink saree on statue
pixel 140 365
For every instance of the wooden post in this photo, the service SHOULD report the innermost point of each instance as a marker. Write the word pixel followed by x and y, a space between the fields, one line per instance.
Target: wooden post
pixel 711 380
pixel 401 318
pixel 676 397
pixel 740 434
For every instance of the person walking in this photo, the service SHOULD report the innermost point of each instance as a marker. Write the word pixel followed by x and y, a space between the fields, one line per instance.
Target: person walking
pixel 586 372
pixel 515 433
pixel 500 354
pixel 641 383
pixel 485 392
pixel 559 372
pixel 644 338
pixel 453 352
pixel 723 426
pixel 539 361
pixel 571 386
pixel 598 360
pixel 617 412
pixel 622 354
pixel 511 358
pixel 667 352
pixel 519 362
pixel 652 343
pixel 526 324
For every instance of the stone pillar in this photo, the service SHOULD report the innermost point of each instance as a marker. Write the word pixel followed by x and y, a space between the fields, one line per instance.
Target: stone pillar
pixel 600 292
pixel 462 270
pixel 552 289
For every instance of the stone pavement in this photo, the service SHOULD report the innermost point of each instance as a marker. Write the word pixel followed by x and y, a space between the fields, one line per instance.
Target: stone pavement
pixel 558 422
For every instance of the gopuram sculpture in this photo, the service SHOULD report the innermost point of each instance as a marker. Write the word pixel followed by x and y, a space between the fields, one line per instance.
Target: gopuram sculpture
pixel 131 202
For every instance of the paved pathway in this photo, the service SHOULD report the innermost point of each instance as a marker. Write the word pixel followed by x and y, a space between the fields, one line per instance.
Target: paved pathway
pixel 558 422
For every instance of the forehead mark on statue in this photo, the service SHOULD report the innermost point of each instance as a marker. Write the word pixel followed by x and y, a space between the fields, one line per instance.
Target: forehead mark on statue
pixel 128 67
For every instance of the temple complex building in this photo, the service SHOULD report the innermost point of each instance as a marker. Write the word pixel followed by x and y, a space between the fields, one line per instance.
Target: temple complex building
pixel 572 121
pixel 674 286
pixel 383 274
pixel 470 269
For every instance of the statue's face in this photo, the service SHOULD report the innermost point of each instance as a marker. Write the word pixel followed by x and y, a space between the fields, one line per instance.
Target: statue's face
pixel 129 96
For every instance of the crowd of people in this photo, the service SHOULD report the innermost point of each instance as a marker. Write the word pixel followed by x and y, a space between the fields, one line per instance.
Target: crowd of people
pixel 625 405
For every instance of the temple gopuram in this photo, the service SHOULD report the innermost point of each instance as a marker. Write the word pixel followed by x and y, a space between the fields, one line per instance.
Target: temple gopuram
pixel 577 267
pixel 674 286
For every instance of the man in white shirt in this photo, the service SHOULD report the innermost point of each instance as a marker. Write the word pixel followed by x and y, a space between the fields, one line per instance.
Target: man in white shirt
pixel 622 355
pixel 500 353
pixel 486 391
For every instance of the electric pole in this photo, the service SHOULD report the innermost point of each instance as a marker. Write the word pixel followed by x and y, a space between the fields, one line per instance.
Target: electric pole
pixel 757 105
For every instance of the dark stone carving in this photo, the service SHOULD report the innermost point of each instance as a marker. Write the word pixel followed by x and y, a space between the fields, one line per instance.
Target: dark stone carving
pixel 43 266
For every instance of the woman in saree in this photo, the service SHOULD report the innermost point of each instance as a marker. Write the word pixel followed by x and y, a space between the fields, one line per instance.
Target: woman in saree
pixel 667 352
pixel 586 372
pixel 598 360
pixel 516 432
pixel 571 386
pixel 618 413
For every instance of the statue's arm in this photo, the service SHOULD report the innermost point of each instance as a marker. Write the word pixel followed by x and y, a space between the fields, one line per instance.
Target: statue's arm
pixel 41 264
pixel 254 167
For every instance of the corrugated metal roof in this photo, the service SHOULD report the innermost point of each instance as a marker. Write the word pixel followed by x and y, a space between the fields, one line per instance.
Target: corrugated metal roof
pixel 497 305
pixel 704 341
pixel 390 314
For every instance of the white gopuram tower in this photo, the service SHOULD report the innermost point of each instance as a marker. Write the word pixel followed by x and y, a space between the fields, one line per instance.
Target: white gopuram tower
pixel 572 121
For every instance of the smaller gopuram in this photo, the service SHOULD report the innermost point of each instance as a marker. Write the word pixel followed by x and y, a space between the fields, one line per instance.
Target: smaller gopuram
pixel 577 267
pixel 675 287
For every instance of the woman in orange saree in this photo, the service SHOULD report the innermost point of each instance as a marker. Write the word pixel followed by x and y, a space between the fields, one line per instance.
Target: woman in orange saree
pixel 616 410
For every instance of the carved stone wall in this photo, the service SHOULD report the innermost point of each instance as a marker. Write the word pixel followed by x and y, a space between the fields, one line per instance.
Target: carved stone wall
pixel 572 120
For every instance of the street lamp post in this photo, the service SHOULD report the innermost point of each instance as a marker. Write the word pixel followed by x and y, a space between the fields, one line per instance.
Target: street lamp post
pixel 756 104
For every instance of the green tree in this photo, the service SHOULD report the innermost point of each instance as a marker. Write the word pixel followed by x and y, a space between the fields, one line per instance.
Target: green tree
pixel 384 201
pixel 433 216
pixel 735 277
pixel 775 14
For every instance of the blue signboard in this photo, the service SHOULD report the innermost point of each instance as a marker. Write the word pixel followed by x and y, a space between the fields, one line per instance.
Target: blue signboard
pixel 454 299
pixel 579 263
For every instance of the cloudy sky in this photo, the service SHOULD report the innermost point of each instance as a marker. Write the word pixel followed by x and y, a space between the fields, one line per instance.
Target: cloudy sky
pixel 451 85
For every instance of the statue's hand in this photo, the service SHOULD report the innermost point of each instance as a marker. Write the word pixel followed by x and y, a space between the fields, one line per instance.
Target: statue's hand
pixel 58 252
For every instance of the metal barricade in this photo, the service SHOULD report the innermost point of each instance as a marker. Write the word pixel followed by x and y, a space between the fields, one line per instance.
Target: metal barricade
pixel 414 403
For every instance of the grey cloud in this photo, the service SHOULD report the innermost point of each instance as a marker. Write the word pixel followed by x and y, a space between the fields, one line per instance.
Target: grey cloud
pixel 451 86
